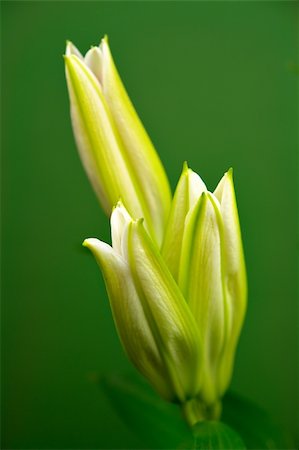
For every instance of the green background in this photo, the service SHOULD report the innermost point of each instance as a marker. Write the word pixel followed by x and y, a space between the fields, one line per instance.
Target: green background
pixel 216 85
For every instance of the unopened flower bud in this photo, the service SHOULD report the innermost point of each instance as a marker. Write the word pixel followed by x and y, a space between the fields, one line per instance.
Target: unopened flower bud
pixel 155 325
pixel 117 154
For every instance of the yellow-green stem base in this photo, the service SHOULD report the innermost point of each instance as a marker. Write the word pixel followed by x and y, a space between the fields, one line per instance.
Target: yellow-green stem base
pixel 195 410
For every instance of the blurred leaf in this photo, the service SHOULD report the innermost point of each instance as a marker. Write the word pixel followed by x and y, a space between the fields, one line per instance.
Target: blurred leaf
pixel 157 424
pixel 256 427
pixel 214 436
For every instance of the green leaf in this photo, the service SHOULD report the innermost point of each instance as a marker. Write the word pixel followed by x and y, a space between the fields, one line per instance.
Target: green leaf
pixel 158 424
pixel 256 427
pixel 214 436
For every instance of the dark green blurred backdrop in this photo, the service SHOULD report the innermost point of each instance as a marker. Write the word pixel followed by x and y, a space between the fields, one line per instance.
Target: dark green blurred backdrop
pixel 216 85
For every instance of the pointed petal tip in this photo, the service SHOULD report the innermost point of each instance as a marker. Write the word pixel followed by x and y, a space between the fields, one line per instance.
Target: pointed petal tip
pixel 68 47
pixel 104 41
pixel 139 222
pixel 118 204
pixel 67 62
pixel 92 50
pixel 230 172
pixel 203 199
pixel 119 218
pixel 185 167
pixel 97 247
pixel 228 176
pixel 89 243
pixel 71 49
pixel 186 170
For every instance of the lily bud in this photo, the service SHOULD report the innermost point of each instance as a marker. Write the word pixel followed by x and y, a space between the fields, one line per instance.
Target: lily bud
pixel 189 189
pixel 208 264
pixel 154 323
pixel 201 279
pixel 116 152
pixel 235 275
pixel 178 313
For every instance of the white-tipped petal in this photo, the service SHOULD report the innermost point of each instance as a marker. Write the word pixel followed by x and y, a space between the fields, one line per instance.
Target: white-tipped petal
pixel 98 141
pixel 93 59
pixel 116 151
pixel 235 276
pixel 120 218
pixel 201 282
pixel 188 191
pixel 71 49
pixel 143 159
pixel 132 323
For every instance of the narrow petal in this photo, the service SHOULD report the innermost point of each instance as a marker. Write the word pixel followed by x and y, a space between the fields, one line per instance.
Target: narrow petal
pixel 93 60
pixel 129 316
pixel 173 327
pixel 71 49
pixel 235 278
pixel 201 282
pixel 97 138
pixel 188 191
pixel 141 155
pixel 120 219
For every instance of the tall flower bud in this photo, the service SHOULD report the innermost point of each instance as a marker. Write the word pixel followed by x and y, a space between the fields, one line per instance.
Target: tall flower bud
pixel 201 279
pixel 203 249
pixel 188 191
pixel 115 149
pixel 154 322
pixel 235 275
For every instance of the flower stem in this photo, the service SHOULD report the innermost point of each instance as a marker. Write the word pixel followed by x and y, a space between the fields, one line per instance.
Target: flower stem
pixel 195 410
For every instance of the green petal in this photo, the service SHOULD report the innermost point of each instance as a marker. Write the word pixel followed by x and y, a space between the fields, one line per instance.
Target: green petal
pixel 188 191
pixel 141 155
pixel 169 317
pixel 129 316
pixel 201 281
pixel 235 279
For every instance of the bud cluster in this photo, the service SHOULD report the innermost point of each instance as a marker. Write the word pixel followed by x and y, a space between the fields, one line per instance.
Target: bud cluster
pixel 175 273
